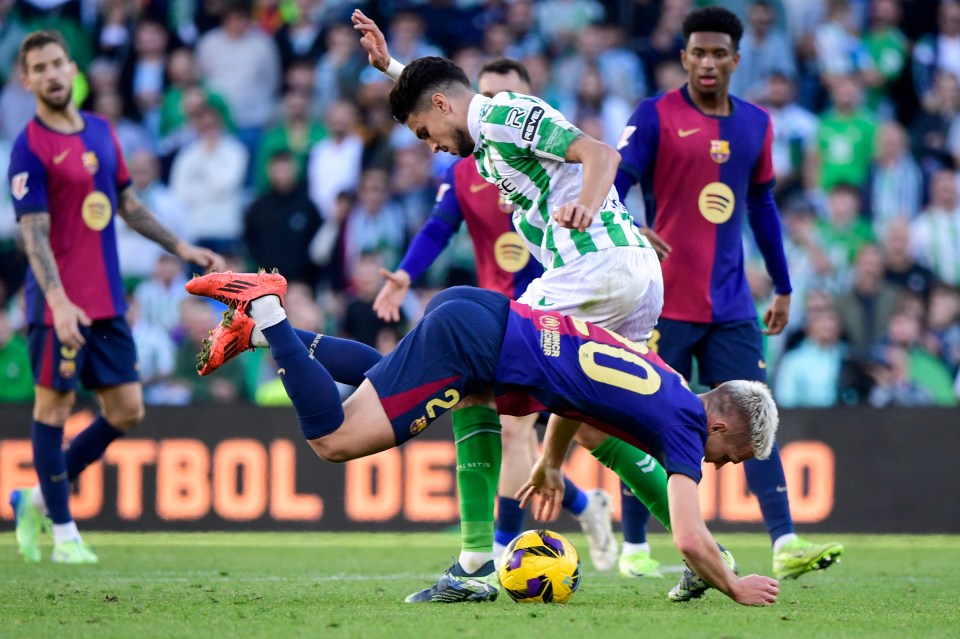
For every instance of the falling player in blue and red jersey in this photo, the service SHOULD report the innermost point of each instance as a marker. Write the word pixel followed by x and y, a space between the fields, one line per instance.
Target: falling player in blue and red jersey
pixel 67 178
pixel 504 264
pixel 474 347
pixel 703 159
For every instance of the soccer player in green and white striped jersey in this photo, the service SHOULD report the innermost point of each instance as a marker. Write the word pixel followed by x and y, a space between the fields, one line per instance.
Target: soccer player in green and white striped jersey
pixel 598 267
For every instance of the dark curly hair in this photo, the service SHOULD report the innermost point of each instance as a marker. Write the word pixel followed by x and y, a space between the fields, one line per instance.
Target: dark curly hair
pixel 715 20
pixel 503 66
pixel 420 80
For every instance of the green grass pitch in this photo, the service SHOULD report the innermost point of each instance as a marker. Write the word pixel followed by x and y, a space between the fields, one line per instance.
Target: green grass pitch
pixel 352 585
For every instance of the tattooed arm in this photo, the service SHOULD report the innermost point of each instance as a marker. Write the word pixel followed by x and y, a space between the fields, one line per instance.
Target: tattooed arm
pixel 67 316
pixel 140 219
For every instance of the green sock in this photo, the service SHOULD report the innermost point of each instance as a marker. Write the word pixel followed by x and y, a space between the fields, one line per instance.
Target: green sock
pixel 641 472
pixel 476 431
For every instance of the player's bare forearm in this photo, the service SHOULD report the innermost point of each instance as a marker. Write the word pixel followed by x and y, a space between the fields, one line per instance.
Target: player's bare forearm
pixel 600 162
pixel 138 217
pixel 556 440
pixel 35 229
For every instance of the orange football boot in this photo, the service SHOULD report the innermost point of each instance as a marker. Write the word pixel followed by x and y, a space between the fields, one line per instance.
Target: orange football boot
pixel 237 290
pixel 230 338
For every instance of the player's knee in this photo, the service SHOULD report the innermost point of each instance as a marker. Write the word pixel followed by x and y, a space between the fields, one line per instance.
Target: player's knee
pixel 126 418
pixel 51 415
pixel 515 435
pixel 589 437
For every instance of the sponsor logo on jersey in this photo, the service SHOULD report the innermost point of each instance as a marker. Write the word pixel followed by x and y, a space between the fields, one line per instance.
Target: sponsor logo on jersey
pixel 550 343
pixel 533 121
pixel 719 151
pixel 507 187
pixel 716 202
pixel 549 322
pixel 96 211
pixel 18 185
pixel 68 352
pixel 510 252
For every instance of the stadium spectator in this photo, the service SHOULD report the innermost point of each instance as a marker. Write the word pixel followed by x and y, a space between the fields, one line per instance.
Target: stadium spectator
pixel 193 327
pixel 794 131
pixel 159 297
pixel 141 81
pixel 845 229
pixel 764 50
pixel 137 254
pixel 334 163
pixel 900 268
pixel 16 106
pixel 845 138
pixel 622 75
pixel 16 384
pixel 935 234
pixel 809 375
pixel 412 184
pixel 811 267
pixel 376 225
pixel 924 369
pixel 896 183
pixel 892 386
pixel 337 74
pixel 938 51
pixel 406 36
pixel 360 321
pixel 865 310
pixel 562 20
pixel 527 39
pixel 279 225
pixel 302 38
pixel 296 133
pixel 840 51
pixel 887 47
pixel 133 137
pixel 13 265
pixel 934 140
pixel 666 40
pixel 241 63
pixel 592 101
pixel 207 177
pixel 155 356
pixel 942 335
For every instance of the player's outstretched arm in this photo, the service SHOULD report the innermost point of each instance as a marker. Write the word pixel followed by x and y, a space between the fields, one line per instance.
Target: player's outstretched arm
pixel 136 214
pixel 546 478
pixel 67 316
pixel 391 296
pixel 698 547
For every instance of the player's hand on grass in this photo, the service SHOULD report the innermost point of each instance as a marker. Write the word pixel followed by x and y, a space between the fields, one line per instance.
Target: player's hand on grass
pixel 547 483
pixel 202 257
pixel 573 215
pixel 67 319
pixel 372 40
pixel 757 590
pixel 777 316
pixel 388 301
pixel 662 248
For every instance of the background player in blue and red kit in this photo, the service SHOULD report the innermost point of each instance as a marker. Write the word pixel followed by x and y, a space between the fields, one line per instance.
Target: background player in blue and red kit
pixel 67 178
pixel 474 346
pixel 703 159
pixel 504 264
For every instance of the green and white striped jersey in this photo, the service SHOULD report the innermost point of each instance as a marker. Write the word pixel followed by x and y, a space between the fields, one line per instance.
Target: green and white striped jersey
pixel 521 143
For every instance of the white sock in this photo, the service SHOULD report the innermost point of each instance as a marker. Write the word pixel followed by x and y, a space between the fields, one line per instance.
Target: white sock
pixel 629 549
pixel 498 552
pixel 36 498
pixel 472 561
pixel 65 532
pixel 266 311
pixel 782 540
pixel 257 340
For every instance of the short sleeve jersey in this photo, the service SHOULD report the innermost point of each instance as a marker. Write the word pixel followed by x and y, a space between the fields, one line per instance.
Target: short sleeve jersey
pixel 579 370
pixel 521 145
pixel 77 179
pixel 503 262
pixel 696 171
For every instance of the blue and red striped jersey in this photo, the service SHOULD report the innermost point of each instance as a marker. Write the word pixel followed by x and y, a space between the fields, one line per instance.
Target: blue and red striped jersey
pixel 697 172
pixel 579 370
pixel 77 179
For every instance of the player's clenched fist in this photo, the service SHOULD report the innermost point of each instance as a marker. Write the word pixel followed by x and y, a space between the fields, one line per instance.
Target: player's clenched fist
pixel 573 215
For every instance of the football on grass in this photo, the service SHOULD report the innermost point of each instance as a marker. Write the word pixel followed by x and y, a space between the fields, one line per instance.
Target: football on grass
pixel 540 566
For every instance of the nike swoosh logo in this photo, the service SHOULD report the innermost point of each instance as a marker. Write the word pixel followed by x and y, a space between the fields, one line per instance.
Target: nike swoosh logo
pixel 60 157
pixel 685 133
pixel 781 489
pixel 761 364
pixel 479 187
pixel 543 302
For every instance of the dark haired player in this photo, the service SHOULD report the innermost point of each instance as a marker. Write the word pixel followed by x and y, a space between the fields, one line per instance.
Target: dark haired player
pixel 703 159
pixel 476 346
pixel 67 179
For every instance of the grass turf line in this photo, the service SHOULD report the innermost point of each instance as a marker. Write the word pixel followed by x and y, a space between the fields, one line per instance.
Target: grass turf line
pixel 352 585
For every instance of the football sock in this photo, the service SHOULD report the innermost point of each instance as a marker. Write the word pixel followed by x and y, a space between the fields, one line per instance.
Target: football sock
pixel 65 532
pixel 48 459
pixel 780 541
pixel 630 548
pixel 313 392
pixel 476 431
pixel 574 499
pixel 509 520
pixel 88 446
pixel 633 517
pixel 766 481
pixel 266 311
pixel 345 359
pixel 471 562
pixel 641 472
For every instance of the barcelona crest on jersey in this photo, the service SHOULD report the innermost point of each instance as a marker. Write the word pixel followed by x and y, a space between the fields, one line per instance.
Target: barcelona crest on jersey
pixel 719 151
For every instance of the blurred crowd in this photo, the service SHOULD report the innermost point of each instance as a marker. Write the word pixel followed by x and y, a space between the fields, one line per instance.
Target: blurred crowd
pixel 257 129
